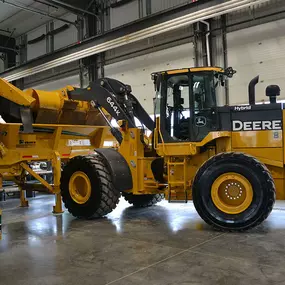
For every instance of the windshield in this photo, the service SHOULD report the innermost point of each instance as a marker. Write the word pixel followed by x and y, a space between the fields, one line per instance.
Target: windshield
pixel 203 86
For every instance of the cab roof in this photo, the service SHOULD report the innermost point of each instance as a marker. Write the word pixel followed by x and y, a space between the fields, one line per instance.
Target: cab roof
pixel 191 69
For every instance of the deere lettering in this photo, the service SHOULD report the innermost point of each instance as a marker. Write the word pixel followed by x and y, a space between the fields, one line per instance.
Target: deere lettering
pixel 257 125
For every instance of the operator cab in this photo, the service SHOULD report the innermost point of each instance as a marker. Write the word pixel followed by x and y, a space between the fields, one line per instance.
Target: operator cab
pixel 186 102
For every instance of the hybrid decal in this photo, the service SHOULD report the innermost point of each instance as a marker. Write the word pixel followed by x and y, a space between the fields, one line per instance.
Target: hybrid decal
pixel 256 125
pixel 242 108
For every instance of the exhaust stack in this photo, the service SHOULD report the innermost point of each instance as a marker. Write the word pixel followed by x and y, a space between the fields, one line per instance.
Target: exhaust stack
pixel 251 90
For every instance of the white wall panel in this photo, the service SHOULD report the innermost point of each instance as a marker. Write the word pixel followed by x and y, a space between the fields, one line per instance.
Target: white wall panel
pixel 68 36
pixel 124 14
pixel 136 71
pixel 58 84
pixel 39 48
pixel 258 50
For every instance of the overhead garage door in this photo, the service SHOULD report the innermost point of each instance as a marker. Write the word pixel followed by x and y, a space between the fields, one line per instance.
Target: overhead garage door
pixel 255 51
pixel 136 71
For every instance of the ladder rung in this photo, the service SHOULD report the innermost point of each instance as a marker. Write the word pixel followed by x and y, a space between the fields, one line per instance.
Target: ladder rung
pixel 176 182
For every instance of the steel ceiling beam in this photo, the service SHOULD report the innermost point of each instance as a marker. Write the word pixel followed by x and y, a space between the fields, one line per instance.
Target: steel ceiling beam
pixel 47 4
pixel 156 24
pixel 83 11
pixel 36 11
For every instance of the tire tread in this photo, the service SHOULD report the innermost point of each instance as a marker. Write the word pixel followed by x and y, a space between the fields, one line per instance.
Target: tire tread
pixel 143 201
pixel 269 180
pixel 109 195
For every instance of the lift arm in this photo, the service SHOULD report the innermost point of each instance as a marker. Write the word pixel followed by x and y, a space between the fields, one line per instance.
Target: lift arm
pixel 116 98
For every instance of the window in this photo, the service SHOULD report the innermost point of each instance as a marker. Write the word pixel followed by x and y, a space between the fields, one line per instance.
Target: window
pixel 178 106
pixel 203 92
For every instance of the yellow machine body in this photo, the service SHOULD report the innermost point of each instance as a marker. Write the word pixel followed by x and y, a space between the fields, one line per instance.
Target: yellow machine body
pixel 184 159
pixel 257 144
pixel 54 107
pixel 62 129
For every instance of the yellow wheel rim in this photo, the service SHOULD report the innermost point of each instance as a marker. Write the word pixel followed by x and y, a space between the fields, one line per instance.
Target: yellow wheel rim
pixel 232 193
pixel 79 187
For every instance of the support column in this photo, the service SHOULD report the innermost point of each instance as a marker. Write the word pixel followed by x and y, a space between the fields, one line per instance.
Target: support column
pixel 148 7
pixel 56 164
pixel 80 36
pixel 95 63
pixel 219 56
pixel 225 55
pixel 50 37
pixel 141 9
pixel 200 45
pixel 23 49
pixel 22 59
pixel 56 167
pixel 23 201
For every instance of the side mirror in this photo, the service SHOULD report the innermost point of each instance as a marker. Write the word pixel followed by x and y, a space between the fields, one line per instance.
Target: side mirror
pixel 229 72
pixel 156 80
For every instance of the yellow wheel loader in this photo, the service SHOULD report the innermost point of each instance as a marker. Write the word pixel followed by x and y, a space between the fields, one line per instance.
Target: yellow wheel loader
pixel 228 159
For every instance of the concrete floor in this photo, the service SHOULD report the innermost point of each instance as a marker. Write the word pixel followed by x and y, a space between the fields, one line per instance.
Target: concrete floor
pixel 164 245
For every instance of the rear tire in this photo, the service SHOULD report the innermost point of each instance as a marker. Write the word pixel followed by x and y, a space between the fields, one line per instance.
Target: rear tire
pixel 93 195
pixel 143 201
pixel 256 181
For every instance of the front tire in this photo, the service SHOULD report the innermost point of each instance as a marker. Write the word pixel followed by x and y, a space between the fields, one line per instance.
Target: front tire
pixel 143 201
pixel 233 191
pixel 87 189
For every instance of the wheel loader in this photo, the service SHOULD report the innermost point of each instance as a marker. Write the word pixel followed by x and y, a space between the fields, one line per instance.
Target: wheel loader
pixel 228 159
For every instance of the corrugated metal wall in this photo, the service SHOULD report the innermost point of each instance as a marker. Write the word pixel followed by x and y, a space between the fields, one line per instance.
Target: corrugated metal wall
pixel 61 39
pixel 124 14
pixel 160 5
pixel 39 48
pixel 156 43
pixel 137 9
pixel 256 15
pixel 67 37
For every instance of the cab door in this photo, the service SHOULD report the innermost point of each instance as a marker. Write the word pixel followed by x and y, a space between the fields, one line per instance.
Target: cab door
pixel 203 104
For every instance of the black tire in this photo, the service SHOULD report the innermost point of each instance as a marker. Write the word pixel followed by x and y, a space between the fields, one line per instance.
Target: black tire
pixel 254 171
pixel 104 197
pixel 143 201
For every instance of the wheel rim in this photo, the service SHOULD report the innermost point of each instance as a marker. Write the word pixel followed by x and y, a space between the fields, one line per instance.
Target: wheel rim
pixel 232 193
pixel 80 187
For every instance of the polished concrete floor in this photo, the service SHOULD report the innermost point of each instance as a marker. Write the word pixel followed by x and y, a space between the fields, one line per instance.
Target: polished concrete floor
pixel 164 245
